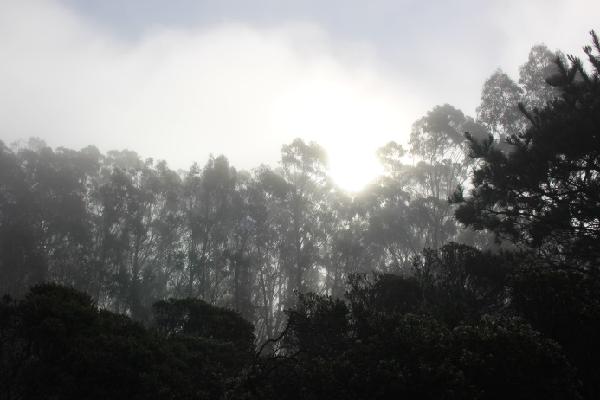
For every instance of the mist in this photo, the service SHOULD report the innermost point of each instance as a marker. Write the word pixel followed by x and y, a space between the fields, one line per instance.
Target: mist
pixel 296 200
pixel 180 92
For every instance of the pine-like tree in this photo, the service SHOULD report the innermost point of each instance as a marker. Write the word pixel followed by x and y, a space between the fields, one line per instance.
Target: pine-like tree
pixel 545 193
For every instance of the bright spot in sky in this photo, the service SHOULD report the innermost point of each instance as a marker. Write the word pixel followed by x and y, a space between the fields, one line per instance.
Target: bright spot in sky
pixel 241 89
pixel 352 170
pixel 350 117
pixel 182 93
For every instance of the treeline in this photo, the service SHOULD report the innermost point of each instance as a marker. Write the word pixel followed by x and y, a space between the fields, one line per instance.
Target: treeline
pixel 130 231
pixel 56 344
pixel 285 249
pixel 390 337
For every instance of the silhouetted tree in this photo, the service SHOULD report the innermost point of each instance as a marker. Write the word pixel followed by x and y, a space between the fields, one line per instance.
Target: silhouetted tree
pixel 543 195
pixel 303 168
pixel 55 343
pixel 545 191
pixel 381 345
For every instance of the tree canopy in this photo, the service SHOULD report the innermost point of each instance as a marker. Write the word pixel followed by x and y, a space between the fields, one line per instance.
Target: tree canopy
pixel 545 192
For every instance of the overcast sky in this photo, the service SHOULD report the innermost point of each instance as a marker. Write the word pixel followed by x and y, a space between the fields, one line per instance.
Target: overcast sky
pixel 178 80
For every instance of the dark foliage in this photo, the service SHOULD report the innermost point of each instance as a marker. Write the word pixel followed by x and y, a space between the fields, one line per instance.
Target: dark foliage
pixel 563 304
pixel 369 348
pixel 55 344
pixel 545 192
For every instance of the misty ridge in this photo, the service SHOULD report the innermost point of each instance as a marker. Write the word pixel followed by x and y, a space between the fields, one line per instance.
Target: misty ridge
pixel 468 270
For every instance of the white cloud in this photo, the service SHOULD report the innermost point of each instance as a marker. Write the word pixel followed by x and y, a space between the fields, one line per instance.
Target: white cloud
pixel 560 24
pixel 181 94
pixel 243 90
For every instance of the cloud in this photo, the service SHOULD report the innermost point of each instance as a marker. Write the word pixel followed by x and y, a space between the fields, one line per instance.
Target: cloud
pixel 180 94
pixel 561 25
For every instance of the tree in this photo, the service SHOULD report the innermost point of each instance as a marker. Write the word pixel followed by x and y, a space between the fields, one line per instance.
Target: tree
pixel 499 111
pixel 193 317
pixel 22 260
pixel 350 249
pixel 303 168
pixel 540 66
pixel 544 195
pixel 438 144
pixel 209 198
pixel 564 305
pixel 545 192
pixel 266 210
pixel 127 196
pixel 56 343
pixel 379 344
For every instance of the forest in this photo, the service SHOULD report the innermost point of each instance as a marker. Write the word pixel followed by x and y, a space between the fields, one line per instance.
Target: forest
pixel 470 270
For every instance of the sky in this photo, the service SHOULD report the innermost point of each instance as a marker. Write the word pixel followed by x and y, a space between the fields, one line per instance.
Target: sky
pixel 182 79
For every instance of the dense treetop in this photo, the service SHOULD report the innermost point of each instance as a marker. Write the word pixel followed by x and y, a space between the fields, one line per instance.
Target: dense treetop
pixel 544 191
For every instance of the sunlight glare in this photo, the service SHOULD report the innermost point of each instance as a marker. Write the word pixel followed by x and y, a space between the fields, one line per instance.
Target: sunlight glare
pixel 351 168
pixel 349 117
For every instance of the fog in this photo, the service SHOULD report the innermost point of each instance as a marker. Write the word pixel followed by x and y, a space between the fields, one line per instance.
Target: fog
pixel 181 91
pixel 299 200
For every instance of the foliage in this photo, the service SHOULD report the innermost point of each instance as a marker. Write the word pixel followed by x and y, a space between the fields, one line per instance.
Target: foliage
pixel 564 304
pixel 384 344
pixel 543 195
pixel 544 192
pixel 55 343
pixel 192 317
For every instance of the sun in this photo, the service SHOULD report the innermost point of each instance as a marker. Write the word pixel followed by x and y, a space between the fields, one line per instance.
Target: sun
pixel 352 168
pixel 349 118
